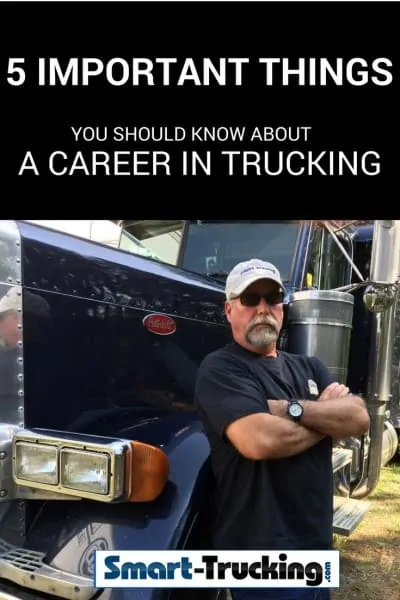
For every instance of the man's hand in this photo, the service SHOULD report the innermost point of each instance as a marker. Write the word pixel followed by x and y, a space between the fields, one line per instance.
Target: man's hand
pixel 334 390
pixel 338 414
pixel 278 408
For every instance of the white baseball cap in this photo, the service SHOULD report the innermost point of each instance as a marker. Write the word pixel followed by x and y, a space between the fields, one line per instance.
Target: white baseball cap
pixel 247 272
pixel 33 303
pixel 11 301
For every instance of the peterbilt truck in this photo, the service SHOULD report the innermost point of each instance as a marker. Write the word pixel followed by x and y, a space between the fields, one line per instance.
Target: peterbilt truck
pixel 101 447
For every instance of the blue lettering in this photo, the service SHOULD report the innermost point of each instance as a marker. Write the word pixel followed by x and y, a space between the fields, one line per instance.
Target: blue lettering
pixel 186 568
pixel 139 570
pixel 157 570
pixel 328 571
pixel 130 570
pixel 113 572
pixel 171 568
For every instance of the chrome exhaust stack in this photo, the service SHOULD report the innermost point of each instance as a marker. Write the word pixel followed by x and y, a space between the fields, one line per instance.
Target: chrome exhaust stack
pixel 381 299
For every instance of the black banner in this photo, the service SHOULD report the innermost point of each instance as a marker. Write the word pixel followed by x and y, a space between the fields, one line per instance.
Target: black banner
pixel 291 107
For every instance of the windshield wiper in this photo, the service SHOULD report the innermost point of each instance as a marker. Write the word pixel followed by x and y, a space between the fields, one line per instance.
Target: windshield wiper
pixel 217 275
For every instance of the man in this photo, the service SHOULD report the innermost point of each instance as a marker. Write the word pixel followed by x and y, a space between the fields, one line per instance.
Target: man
pixel 10 318
pixel 36 309
pixel 37 313
pixel 270 417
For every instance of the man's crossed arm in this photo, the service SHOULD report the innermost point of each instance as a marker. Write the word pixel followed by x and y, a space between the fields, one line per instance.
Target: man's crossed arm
pixel 337 414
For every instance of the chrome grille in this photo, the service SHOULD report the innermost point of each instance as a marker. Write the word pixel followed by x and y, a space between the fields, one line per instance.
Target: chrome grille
pixel 29 560
pixel 26 568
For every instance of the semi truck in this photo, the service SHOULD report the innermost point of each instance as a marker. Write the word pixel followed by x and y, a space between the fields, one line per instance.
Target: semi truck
pixel 101 446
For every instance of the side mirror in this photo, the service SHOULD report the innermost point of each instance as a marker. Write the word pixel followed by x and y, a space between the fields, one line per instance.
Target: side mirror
pixel 378 298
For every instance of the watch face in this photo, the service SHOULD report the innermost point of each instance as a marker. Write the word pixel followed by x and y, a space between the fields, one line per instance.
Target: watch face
pixel 295 410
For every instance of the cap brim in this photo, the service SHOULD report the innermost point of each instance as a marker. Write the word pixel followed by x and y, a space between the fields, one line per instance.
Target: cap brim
pixel 6 307
pixel 245 284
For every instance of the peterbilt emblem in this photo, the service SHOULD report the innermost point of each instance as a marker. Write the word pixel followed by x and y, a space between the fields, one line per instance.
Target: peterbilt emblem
pixel 160 324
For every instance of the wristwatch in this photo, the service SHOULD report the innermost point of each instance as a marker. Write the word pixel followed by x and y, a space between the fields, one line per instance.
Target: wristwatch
pixel 295 410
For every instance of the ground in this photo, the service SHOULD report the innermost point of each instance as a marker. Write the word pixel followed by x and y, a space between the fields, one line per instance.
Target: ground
pixel 370 557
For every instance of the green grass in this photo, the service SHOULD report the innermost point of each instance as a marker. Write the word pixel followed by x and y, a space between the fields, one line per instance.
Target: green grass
pixel 370 557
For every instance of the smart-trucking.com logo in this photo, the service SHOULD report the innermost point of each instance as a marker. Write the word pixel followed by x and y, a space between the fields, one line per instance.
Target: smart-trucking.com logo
pixel 216 569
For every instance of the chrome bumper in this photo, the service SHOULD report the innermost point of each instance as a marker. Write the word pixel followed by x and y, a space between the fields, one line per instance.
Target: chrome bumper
pixel 25 568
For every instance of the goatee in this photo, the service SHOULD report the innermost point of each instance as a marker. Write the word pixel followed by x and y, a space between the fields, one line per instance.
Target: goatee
pixel 262 332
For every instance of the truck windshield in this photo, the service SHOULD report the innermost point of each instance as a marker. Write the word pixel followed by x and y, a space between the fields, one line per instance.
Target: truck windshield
pixel 214 247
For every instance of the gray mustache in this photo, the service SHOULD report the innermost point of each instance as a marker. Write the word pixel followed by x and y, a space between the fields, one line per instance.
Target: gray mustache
pixel 263 321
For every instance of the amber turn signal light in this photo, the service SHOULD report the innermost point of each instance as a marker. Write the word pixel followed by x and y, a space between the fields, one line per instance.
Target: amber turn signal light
pixel 147 470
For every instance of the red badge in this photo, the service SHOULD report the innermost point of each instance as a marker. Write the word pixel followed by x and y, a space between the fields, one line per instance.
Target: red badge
pixel 159 324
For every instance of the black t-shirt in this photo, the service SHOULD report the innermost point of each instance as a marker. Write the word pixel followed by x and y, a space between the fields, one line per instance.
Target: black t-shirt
pixel 268 504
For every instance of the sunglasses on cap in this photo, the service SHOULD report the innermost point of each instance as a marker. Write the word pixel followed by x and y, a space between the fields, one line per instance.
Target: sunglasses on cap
pixel 254 298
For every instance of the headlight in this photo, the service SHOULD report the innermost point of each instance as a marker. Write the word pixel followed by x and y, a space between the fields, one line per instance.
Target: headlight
pixel 88 466
pixel 36 463
pixel 85 471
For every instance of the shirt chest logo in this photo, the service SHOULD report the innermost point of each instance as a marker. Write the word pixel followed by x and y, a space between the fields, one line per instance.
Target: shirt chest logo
pixel 312 387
